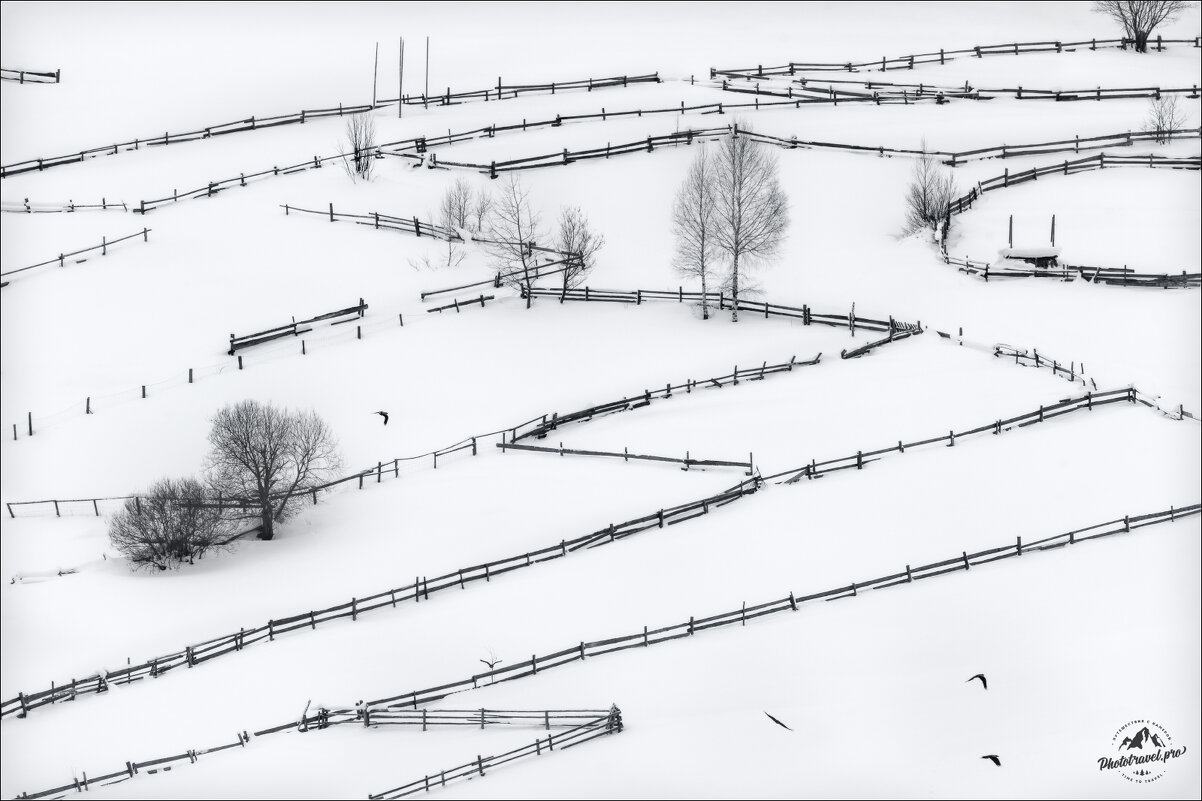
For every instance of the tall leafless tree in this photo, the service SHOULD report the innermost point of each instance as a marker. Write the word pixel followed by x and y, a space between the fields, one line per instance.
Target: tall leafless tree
pixel 694 225
pixel 752 208
pixel 579 243
pixel 175 522
pixel 1165 118
pixel 455 210
pixel 482 210
pixel 1140 17
pixel 513 230
pixel 360 146
pixel 268 457
pixel 930 193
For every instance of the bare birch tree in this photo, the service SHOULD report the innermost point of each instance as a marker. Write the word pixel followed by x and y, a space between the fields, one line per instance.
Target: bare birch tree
pixel 929 194
pixel 175 522
pixel 580 243
pixel 360 146
pixel 1140 17
pixel 269 457
pixel 694 224
pixel 514 228
pixel 482 210
pixel 752 208
pixel 1165 118
pixel 455 209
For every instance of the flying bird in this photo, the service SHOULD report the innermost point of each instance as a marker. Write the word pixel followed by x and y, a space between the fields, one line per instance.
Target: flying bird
pixel 993 758
pixel 492 664
pixel 980 676
pixel 777 722
pixel 385 416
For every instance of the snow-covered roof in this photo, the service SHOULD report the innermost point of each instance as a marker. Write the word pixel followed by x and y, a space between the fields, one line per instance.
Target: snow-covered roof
pixel 1029 253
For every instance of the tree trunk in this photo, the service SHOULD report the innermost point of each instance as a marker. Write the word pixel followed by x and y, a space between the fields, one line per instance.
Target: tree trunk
pixel 267 520
pixel 734 290
pixel 1141 41
pixel 705 304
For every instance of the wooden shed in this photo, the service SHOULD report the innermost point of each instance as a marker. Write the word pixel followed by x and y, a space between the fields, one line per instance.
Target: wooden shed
pixel 1039 258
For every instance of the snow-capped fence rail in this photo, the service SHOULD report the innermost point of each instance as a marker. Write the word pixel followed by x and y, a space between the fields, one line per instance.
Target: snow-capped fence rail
pixel 1074 370
pixel 1112 276
pixel 418 591
pixel 408 225
pixel 609 723
pixel 27 207
pixel 963 561
pixel 29 76
pixel 61 259
pixel 510 91
pixel 294 328
pixel 1097 162
pixel 942 56
pixel 626 455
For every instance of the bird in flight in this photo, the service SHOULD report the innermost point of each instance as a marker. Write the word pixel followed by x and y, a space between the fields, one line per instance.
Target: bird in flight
pixel 385 416
pixel 777 722
pixel 993 758
pixel 980 676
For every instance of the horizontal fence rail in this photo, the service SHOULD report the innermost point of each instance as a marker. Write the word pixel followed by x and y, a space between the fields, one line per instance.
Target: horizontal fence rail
pixel 27 207
pixel 30 76
pixel 62 258
pixel 1110 276
pixel 415 593
pixel 687 461
pixel 295 327
pixel 963 561
pixel 511 91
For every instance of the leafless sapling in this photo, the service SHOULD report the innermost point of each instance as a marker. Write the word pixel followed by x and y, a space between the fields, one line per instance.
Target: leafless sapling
pixel 513 230
pixel 694 225
pixel 267 457
pixel 1165 118
pixel 360 148
pixel 1140 17
pixel 579 243
pixel 929 194
pixel 752 208
pixel 177 521
pixel 482 210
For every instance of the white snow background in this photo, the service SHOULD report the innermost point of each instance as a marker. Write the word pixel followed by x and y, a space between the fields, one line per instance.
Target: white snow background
pixel 1075 642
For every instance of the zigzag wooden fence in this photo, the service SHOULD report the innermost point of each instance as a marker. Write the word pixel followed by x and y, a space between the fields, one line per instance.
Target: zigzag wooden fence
pixel 610 723
pixel 61 259
pixel 418 591
pixel 254 123
pixel 294 328
pixel 1098 162
pixel 942 56
pixel 30 76
pixel 654 636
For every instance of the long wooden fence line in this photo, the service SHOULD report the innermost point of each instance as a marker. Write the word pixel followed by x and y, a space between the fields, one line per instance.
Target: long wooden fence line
pixel 1098 162
pixel 27 207
pixel 1086 402
pixel 254 123
pixel 610 723
pixel 511 91
pixel 1111 276
pixel 1074 371
pixel 626 455
pixel 134 768
pixel 294 328
pixel 942 56
pixel 30 76
pixel 417 592
pixel 61 259
pixel 408 225
pixel 654 636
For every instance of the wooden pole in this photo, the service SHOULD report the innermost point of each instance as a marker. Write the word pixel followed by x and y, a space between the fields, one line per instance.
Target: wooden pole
pixel 1053 230
pixel 401 81
pixel 1011 235
pixel 375 71
pixel 427 93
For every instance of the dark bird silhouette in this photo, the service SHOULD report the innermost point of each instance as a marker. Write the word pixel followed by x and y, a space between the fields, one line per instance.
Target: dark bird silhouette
pixel 777 722
pixel 493 664
pixel 980 676
pixel 993 758
pixel 385 416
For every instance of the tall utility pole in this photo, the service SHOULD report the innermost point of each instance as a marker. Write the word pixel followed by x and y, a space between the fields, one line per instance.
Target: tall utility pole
pixel 427 66
pixel 400 105
pixel 375 71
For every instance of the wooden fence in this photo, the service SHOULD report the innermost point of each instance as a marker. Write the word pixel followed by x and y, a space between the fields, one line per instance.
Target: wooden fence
pixel 510 91
pixel 294 328
pixel 1112 276
pixel 942 56
pixel 417 592
pixel 609 723
pixel 626 455
pixel 26 207
pixel 1073 372
pixel 254 123
pixel 61 259
pixel 29 76
pixel 654 636
pixel 1098 162
pixel 408 225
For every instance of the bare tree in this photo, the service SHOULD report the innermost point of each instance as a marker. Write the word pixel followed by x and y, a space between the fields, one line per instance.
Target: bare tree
pixel 694 224
pixel 580 244
pixel 1165 118
pixel 267 457
pixel 752 208
pixel 175 522
pixel 513 229
pixel 361 145
pixel 456 207
pixel 482 210
pixel 1140 17
pixel 930 193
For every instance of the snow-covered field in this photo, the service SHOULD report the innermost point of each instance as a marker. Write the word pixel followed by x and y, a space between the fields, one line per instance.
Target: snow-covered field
pixel 1076 642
